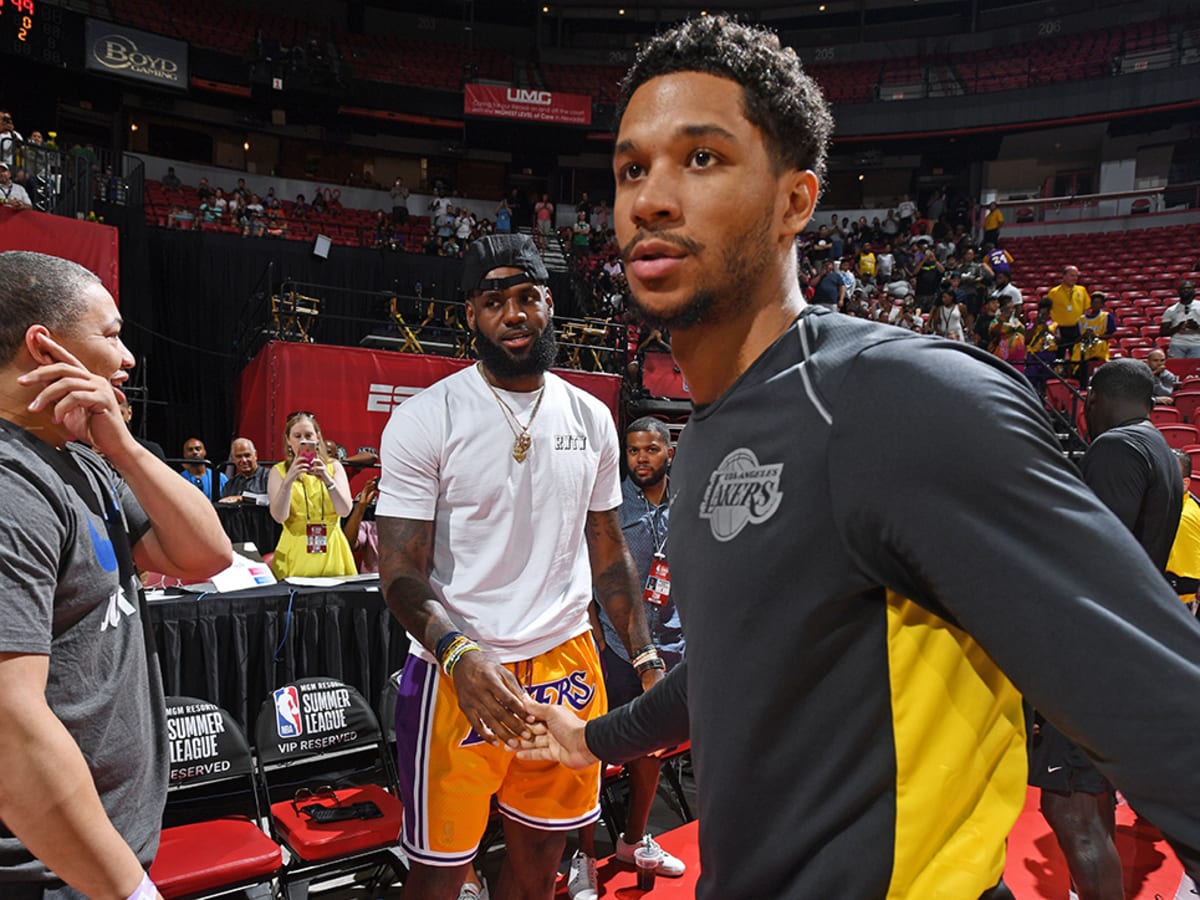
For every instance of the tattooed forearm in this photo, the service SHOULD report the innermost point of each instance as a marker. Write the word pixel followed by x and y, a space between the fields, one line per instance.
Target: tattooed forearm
pixel 615 579
pixel 405 558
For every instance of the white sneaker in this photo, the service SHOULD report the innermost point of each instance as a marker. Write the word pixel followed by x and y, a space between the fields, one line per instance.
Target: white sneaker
pixel 581 878
pixel 671 866
pixel 473 892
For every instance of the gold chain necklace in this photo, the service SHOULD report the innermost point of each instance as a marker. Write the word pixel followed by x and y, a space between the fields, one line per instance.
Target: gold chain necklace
pixel 521 439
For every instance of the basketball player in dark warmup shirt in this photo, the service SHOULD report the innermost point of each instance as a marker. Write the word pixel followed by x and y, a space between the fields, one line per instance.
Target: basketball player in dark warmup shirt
pixel 855 643
pixel 1132 470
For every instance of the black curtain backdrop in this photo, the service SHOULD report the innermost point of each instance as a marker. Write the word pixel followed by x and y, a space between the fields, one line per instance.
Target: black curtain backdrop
pixel 189 301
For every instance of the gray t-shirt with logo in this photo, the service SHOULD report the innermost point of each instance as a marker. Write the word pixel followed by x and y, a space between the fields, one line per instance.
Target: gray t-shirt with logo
pixel 61 594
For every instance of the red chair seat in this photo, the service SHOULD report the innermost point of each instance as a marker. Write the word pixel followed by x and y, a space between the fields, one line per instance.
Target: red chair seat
pixel 315 841
pixel 205 856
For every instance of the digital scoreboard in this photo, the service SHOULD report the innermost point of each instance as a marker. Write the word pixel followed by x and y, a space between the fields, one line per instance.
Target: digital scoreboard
pixel 41 33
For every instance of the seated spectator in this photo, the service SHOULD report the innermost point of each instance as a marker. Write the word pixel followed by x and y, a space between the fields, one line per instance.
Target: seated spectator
pixel 450 247
pixel 360 528
pixel 249 481
pixel 209 211
pixel 431 245
pixel 242 192
pixel 1181 323
pixel 270 201
pixel 308 496
pixel 199 473
pixel 203 191
pixel 1165 381
pixel 319 205
pixel 12 195
pixel 181 217
pixel 300 209
pixel 220 202
pixel 276 224
pixel 600 218
pixel 255 224
pixel 381 235
pixel 170 181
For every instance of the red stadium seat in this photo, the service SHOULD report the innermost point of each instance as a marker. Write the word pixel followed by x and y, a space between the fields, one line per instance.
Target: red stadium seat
pixel 1179 436
pixel 1166 415
pixel 1187 401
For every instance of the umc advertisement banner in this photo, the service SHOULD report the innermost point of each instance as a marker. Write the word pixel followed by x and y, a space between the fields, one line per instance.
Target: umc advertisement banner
pixel 527 104
pixel 129 53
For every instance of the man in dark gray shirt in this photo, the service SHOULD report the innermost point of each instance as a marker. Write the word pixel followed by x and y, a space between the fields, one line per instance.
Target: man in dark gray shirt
pixel 858 643
pixel 83 756
pixel 1134 473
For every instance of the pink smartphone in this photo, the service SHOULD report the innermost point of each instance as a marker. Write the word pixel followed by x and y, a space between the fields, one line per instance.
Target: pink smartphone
pixel 308 450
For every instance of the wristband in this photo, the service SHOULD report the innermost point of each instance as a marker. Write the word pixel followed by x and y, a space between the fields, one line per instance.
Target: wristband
pixel 145 889
pixel 442 645
pixel 654 663
pixel 643 656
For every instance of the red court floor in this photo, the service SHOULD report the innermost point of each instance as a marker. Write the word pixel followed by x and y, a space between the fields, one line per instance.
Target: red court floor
pixel 1035 870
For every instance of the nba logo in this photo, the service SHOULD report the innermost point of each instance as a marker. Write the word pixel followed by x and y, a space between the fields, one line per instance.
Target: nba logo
pixel 287 712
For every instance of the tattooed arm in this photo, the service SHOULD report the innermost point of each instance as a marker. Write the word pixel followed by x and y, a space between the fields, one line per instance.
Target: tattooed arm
pixel 615 578
pixel 488 694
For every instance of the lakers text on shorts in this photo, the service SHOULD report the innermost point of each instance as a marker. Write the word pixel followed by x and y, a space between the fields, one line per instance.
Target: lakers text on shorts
pixel 448 774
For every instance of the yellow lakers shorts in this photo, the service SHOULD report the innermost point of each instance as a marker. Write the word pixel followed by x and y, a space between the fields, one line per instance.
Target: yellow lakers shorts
pixel 449 774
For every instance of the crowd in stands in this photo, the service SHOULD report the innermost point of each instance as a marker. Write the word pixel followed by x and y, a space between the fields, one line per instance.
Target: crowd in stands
pixel 409 60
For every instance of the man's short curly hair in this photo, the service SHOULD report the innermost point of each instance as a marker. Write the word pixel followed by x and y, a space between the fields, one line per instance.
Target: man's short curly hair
pixel 780 99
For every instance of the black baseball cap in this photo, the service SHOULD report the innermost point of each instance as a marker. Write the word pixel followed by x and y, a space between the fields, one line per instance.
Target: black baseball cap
pixel 497 251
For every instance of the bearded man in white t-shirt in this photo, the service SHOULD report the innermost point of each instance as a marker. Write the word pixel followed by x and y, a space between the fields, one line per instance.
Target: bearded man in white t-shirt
pixel 497 516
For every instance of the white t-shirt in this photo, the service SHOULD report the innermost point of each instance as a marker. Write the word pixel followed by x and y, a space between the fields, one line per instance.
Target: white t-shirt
pixel 1176 314
pixel 510 562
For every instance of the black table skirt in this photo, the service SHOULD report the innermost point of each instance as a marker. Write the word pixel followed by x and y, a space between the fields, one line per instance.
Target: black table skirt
pixel 234 649
pixel 247 523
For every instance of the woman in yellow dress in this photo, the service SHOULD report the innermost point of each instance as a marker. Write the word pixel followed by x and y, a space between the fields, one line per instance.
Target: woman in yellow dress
pixel 309 494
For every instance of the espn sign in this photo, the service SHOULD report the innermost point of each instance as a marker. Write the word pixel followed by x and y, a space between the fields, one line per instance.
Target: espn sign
pixel 527 105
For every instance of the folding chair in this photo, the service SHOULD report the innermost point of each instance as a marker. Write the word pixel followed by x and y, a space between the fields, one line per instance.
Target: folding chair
pixel 322 761
pixel 212 843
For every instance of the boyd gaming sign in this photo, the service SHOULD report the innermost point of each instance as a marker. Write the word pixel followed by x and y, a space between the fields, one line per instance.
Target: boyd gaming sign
pixel 526 104
pixel 130 53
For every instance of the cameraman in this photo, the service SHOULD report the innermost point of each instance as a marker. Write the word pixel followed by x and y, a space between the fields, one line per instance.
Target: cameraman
pixel 1181 322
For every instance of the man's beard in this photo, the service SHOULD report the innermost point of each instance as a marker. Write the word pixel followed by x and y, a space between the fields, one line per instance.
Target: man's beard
pixel 657 476
pixel 744 261
pixel 537 359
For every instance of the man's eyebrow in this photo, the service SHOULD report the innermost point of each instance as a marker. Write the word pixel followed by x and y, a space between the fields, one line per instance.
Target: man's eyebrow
pixel 699 130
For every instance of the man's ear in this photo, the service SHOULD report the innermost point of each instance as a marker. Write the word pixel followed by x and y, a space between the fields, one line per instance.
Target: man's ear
pixel 802 188
pixel 469 308
pixel 549 299
pixel 33 344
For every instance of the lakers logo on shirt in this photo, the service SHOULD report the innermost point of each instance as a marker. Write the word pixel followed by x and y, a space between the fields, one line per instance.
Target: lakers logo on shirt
pixel 741 492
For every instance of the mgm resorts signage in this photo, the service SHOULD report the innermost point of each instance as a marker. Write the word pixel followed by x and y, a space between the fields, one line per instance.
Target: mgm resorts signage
pixel 140 55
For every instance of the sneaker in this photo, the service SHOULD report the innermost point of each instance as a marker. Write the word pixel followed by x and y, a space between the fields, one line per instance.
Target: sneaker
pixel 671 866
pixel 473 892
pixel 581 878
